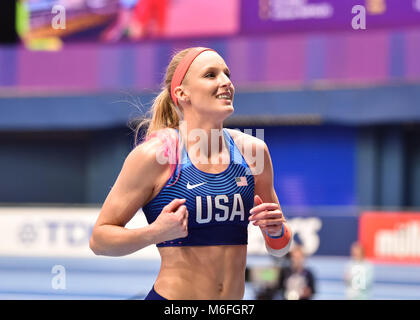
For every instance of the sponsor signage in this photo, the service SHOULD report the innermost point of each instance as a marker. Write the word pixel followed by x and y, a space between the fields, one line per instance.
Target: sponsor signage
pixel 65 232
pixel 391 236
pixel 259 16
pixel 318 235
pixel 55 232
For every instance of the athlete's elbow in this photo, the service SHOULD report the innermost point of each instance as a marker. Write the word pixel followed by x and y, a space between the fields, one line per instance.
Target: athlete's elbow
pixel 100 246
pixel 95 244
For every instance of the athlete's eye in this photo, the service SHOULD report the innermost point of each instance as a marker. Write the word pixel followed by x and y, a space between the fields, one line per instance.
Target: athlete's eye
pixel 210 74
pixel 227 74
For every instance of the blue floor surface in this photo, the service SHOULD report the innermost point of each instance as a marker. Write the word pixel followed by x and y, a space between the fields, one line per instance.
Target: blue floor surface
pixel 122 278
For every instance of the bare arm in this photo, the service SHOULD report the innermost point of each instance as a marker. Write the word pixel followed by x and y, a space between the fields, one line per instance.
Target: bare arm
pixel 267 213
pixel 131 191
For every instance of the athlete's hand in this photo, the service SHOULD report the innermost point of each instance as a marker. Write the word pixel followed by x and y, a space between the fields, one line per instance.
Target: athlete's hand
pixel 268 216
pixel 172 222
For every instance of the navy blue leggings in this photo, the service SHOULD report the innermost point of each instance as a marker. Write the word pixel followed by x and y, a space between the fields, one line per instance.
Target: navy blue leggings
pixel 153 295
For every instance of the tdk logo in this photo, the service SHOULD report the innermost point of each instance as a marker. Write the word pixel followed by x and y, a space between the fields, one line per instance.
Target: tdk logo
pixel 28 233
pixel 53 232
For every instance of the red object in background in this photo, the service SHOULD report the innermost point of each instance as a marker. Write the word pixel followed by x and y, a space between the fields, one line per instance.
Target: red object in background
pixel 391 236
pixel 147 10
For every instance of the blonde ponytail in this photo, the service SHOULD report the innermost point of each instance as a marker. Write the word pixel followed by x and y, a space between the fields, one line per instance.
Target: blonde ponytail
pixel 164 114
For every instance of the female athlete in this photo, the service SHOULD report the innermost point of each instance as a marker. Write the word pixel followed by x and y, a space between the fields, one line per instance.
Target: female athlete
pixel 199 185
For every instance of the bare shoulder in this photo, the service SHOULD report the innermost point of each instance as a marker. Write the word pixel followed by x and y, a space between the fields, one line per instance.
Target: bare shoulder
pixel 146 154
pixel 135 183
pixel 153 153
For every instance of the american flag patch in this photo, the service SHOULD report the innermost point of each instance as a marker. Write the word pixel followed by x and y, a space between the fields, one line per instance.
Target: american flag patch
pixel 241 181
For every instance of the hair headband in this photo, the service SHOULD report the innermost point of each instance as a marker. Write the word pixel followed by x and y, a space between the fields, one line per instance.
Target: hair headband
pixel 182 69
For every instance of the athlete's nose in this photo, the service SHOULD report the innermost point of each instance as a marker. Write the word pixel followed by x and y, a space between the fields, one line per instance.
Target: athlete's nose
pixel 225 80
pixel 226 83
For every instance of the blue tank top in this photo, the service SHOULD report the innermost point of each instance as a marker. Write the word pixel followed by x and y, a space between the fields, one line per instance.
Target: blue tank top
pixel 218 203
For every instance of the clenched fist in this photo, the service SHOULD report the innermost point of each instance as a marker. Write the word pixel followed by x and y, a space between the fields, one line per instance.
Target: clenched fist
pixel 172 222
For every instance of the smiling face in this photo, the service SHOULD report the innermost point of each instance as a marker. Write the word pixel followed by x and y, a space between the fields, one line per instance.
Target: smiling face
pixel 207 89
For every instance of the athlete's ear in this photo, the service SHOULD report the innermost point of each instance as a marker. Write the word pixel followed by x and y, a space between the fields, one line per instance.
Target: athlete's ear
pixel 181 94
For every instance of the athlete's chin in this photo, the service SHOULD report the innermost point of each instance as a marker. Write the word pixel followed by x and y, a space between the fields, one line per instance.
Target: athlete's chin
pixel 229 110
pixel 222 111
pixel 228 106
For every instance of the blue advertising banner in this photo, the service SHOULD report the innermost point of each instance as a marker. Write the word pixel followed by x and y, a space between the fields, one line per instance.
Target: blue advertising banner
pixel 260 16
pixel 325 235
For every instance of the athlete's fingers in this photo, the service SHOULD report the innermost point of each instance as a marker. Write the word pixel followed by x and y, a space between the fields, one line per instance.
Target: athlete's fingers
pixel 185 221
pixel 271 219
pixel 277 214
pixel 181 211
pixel 264 206
pixel 257 200
pixel 173 205
pixel 269 222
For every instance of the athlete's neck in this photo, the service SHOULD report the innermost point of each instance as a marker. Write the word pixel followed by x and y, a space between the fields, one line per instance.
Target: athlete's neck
pixel 205 143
